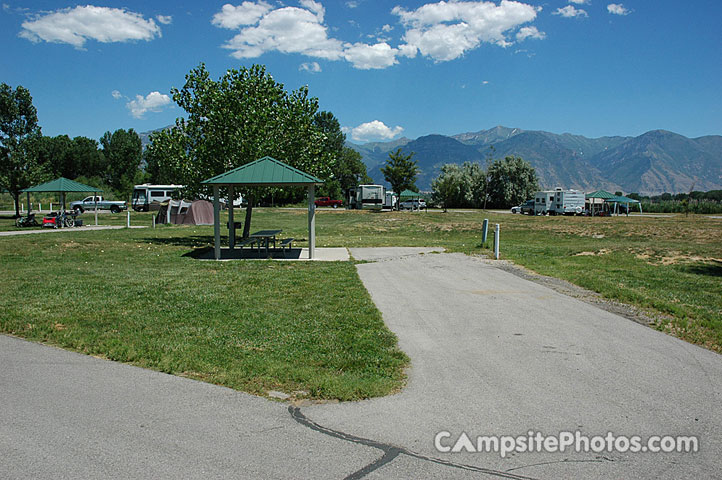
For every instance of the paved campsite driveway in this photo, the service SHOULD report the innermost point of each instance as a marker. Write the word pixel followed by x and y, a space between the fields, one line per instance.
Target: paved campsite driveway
pixel 491 354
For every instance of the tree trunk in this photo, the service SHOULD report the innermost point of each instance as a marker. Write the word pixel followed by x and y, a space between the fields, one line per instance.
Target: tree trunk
pixel 16 196
pixel 247 222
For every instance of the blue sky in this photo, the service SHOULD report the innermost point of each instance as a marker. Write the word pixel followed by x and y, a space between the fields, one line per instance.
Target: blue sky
pixel 385 69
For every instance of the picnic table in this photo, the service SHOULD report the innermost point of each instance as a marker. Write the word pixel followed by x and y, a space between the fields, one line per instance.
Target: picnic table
pixel 265 237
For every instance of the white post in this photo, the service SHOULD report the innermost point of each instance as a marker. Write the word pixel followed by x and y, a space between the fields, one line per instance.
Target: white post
pixel 51 207
pixel 40 207
pixel 496 241
pixel 311 222
pixel 30 207
pixel 167 212
pixel 128 222
pixel 153 221
pixel 216 224
pixel 231 224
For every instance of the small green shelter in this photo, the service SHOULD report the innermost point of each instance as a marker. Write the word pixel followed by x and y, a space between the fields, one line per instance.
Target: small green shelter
pixel 264 172
pixel 596 200
pixel 62 186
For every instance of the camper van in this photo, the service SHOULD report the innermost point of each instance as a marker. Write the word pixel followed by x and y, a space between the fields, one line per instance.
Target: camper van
pixel 559 202
pixel 367 197
pixel 149 197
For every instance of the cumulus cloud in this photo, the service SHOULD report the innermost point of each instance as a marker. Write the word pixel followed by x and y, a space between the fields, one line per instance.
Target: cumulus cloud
pixel 366 57
pixel 75 26
pixel 116 94
pixel 529 32
pixel 373 131
pixel 287 30
pixel 617 9
pixel 153 102
pixel 247 13
pixel 580 2
pixel 445 31
pixel 312 67
pixel 164 19
pixel 570 11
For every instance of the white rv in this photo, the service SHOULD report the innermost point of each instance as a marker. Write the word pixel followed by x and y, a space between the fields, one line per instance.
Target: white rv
pixel 367 197
pixel 149 197
pixel 559 202
pixel 390 200
pixel 543 202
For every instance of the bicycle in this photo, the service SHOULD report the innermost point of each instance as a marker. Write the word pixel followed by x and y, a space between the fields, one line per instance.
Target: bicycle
pixel 28 221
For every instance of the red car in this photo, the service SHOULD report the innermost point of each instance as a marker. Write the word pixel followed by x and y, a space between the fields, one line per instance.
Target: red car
pixel 327 202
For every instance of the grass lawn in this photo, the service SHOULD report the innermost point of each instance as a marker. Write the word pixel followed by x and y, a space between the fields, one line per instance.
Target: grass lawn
pixel 135 296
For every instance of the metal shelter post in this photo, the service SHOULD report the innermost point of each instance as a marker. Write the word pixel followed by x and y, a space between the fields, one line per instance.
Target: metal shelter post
pixel 216 224
pixel 95 197
pixel 311 222
pixel 231 223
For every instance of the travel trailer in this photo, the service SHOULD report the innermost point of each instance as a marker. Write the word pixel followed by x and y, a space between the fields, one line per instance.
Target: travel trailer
pixel 559 202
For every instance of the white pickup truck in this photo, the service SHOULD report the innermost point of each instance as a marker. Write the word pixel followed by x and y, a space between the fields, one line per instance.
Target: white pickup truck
pixel 88 203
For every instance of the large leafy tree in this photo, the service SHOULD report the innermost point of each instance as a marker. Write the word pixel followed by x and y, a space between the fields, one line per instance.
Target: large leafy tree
pixel 400 171
pixel 243 116
pixel 123 152
pixel 347 168
pixel 511 181
pixel 19 131
pixel 459 185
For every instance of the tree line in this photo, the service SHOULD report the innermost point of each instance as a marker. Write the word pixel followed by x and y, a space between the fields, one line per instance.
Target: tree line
pixel 27 157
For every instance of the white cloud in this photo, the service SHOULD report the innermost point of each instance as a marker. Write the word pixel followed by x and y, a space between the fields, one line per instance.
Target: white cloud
pixel 485 82
pixel 352 4
pixel 153 102
pixel 446 30
pixel 571 12
pixel 164 19
pixel 580 2
pixel 312 67
pixel 443 31
pixel 618 9
pixel 371 131
pixel 116 94
pixel 287 30
pixel 77 25
pixel 247 13
pixel 366 57
pixel 529 32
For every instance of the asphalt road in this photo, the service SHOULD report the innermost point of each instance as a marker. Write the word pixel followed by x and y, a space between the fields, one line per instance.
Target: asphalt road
pixel 492 354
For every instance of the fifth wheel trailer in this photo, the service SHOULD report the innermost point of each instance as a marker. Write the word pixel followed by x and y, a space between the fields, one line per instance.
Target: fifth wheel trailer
pixel 367 197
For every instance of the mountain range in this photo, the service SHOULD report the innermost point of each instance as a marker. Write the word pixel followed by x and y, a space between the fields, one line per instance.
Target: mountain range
pixel 650 164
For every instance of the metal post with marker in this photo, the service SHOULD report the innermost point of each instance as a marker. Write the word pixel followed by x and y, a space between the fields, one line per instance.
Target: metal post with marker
pixel 496 242
pixel 484 231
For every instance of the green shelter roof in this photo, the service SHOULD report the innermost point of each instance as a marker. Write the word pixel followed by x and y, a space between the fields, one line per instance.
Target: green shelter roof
pixel 603 194
pixel 621 199
pixel 410 194
pixel 62 185
pixel 266 171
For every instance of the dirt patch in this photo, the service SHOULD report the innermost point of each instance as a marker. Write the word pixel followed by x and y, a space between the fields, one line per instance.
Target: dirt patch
pixel 603 251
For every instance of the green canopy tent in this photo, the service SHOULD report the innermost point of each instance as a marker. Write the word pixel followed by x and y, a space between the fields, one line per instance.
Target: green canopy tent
pixel 616 200
pixel 62 186
pixel 264 172
pixel 592 198
pixel 409 195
